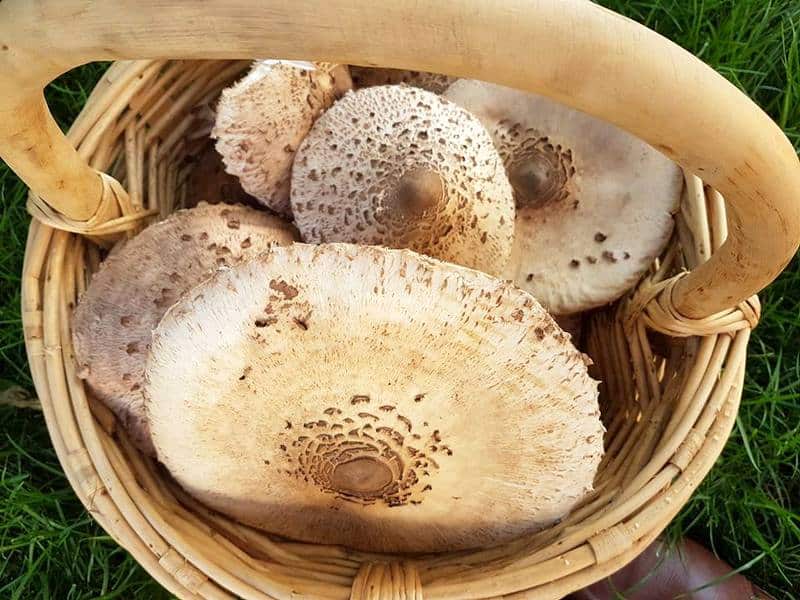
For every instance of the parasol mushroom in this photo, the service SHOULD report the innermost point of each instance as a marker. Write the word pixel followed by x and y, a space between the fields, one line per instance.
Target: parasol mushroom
pixel 400 167
pixel 594 204
pixel 137 283
pixel 262 119
pixel 375 398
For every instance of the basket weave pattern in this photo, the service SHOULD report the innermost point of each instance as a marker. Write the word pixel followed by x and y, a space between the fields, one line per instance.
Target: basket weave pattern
pixel 670 392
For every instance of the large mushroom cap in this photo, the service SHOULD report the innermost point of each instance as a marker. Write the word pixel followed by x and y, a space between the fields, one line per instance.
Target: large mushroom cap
pixel 262 119
pixel 136 284
pixel 400 167
pixel 371 76
pixel 374 398
pixel 594 204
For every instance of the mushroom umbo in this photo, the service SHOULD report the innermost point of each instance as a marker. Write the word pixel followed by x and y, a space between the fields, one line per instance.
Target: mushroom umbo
pixel 594 204
pixel 372 397
pixel 371 76
pixel 262 119
pixel 400 167
pixel 137 283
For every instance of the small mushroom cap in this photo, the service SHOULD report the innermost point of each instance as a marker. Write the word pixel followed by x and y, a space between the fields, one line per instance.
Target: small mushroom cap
pixel 262 119
pixel 401 167
pixel 371 76
pixel 375 398
pixel 594 203
pixel 136 284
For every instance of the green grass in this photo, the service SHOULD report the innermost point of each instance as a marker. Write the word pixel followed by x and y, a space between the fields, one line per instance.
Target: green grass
pixel 748 509
pixel 49 545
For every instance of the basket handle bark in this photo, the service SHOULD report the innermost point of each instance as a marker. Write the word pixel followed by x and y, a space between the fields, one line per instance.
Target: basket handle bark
pixel 573 51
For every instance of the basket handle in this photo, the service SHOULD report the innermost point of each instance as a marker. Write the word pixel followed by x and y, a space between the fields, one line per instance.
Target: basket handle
pixel 573 51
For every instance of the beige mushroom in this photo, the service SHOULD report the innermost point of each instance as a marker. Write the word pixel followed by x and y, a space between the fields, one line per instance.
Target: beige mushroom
pixel 375 398
pixel 400 167
pixel 594 204
pixel 136 284
pixel 262 119
pixel 371 76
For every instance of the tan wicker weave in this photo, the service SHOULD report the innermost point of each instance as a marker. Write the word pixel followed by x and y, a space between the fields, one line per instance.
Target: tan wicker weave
pixel 671 354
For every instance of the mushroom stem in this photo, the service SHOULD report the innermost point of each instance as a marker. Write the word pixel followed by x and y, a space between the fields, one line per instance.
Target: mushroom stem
pixel 417 192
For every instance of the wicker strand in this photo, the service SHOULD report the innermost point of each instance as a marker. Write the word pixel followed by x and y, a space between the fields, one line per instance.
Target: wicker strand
pixel 104 222
pixel 659 312
pixel 392 581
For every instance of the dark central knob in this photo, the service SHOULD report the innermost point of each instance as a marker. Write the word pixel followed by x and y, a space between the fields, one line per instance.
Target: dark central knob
pixel 417 191
pixel 361 476
pixel 533 179
pixel 539 180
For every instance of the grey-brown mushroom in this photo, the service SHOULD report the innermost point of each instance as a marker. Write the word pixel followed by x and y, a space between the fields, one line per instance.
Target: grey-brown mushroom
pixel 400 167
pixel 594 204
pixel 374 398
pixel 113 323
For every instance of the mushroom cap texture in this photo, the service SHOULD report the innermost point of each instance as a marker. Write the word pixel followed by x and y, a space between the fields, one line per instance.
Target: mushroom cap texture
pixel 371 76
pixel 594 203
pixel 375 398
pixel 127 296
pixel 262 119
pixel 350 166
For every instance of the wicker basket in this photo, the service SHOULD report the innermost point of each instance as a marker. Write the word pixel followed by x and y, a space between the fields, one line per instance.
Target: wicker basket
pixel 671 354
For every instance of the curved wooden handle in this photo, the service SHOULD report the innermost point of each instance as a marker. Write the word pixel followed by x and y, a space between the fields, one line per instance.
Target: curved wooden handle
pixel 570 50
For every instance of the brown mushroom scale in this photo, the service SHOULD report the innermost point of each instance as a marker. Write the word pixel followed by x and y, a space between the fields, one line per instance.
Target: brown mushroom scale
pixel 363 458
pixel 416 192
pixel 363 476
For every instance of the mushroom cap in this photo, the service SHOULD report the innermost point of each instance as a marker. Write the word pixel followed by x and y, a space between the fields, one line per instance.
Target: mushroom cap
pixel 371 76
pixel 594 203
pixel 400 167
pixel 262 119
pixel 375 398
pixel 127 296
